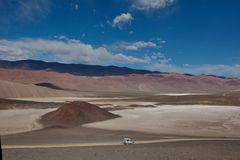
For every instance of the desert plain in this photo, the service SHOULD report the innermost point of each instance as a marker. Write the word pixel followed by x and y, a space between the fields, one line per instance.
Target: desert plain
pixel 160 127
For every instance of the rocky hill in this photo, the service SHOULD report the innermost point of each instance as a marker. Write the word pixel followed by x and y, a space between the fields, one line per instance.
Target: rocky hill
pixel 74 114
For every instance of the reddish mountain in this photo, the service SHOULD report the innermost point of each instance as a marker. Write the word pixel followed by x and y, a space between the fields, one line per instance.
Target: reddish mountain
pixel 74 114
pixel 30 78
pixel 123 84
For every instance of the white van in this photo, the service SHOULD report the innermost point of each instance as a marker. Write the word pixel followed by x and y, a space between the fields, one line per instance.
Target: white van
pixel 127 141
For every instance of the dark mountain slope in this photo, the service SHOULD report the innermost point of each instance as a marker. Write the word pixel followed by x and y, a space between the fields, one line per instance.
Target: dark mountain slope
pixel 75 69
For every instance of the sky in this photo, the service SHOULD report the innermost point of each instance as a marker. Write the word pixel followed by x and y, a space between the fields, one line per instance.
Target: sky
pixel 182 36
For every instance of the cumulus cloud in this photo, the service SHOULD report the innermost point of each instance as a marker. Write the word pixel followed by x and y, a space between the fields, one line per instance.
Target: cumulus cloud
pixel 150 5
pixel 62 49
pixel 121 20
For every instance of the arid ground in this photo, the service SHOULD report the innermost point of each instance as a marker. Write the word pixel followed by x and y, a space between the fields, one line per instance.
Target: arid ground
pixel 190 150
pixel 161 131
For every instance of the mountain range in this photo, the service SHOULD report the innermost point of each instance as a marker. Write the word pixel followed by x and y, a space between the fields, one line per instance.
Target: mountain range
pixel 31 78
pixel 75 69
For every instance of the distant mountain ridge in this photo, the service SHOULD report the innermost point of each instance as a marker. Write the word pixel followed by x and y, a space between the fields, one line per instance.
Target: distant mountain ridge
pixel 18 83
pixel 30 78
pixel 75 69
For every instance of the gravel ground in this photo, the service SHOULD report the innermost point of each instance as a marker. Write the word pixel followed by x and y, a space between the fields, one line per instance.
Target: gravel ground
pixel 195 150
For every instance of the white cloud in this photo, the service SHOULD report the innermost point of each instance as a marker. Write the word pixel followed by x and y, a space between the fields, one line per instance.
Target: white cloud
pixel 64 50
pixel 121 20
pixel 134 46
pixel 66 39
pixel 150 5
pixel 131 32
pixel 83 35
pixel 163 41
pixel 108 22
pixel 76 6
pixel 160 58
pixel 139 45
pixel 60 37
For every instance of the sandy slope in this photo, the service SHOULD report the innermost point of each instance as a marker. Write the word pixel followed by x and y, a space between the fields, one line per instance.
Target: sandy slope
pixel 15 90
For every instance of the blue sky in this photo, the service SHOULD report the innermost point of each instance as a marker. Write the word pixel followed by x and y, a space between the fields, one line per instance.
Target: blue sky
pixel 183 36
